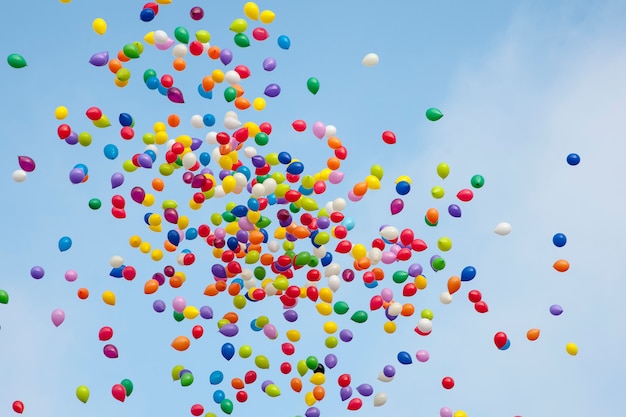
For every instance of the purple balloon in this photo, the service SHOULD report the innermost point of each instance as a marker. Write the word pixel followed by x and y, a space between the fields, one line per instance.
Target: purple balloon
pixel 454 210
pixel 144 160
pixel 347 275
pixel 110 351
pixel 396 206
pixel 312 412
pixel 137 194
pixel 195 143
pixel 556 310
pixel 206 312
pixel 175 95
pixel 346 335
pixel 265 384
pixel 415 270
pixel 269 64
pixel 117 179
pixel 345 393
pixel 77 175
pixel 37 272
pixel 158 306
pixel 323 222
pixel 218 270
pixel 330 361
pixel 26 163
pixel 290 315
pixel 389 371
pixel 226 56
pixel 365 390
pixel 272 90
pixel 99 59
pixel 72 139
pixel 229 330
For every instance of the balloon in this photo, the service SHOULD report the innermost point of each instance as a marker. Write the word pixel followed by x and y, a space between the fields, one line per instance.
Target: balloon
pixel 37 272
pixel 26 163
pixel 345 393
pixel 500 339
pixel 313 85
pixel 389 137
pixel 229 330
pixel 465 195
pixel 4 297
pixel 573 159
pixel 559 240
pixel 175 95
pixel 561 265
pixel 57 316
pixel 468 273
pixel 18 407
pixel 502 229
pixel 447 382
pixel 110 351
pixel 108 297
pixel 16 61
pixel 355 404
pixel 82 393
pixel 105 333
pixel 228 351
pixel 365 390
pixel 477 181
pixel 571 348
pixel 119 392
pixel 99 59
pixel 181 343
pixel 556 310
pixel 99 26
pixel 128 386
pixel 117 179
pixel 422 356
pixel 380 399
pixel 196 13
pixel 370 60
pixel 284 42
pixel 19 175
pixel 433 114
pixel 404 358
pixel 396 206
pixel 533 334
pixel 445 412
pixel 65 243
pixel 454 210
pixel 251 10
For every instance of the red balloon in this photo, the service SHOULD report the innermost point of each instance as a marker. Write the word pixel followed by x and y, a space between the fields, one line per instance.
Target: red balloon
pixel 409 289
pixel 474 296
pixel 266 128
pixel 407 236
pixel 260 34
pixel 344 380
pixel 500 339
pixel 447 382
pixel 376 302
pixel 197 331
pixel 243 71
pixel 288 348
pixel 64 130
pixel 355 404
pixel 299 125
pixel 465 195
pixel 418 245
pixel 285 367
pixel 94 113
pixel 343 246
pixel 18 407
pixel 105 333
pixel 481 307
pixel 119 392
pixel 389 137
pixel 241 396
pixel 250 377
pixel 197 409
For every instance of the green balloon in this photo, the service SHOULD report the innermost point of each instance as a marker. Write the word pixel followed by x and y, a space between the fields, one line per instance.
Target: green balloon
pixel 230 94
pixel 341 307
pixel 228 217
pixel 272 390
pixel 95 203
pixel 260 273
pixel 359 316
pixel 313 85
pixel 181 34
pixel 131 50
pixel 302 367
pixel 148 74
pixel 293 208
pixel 264 221
pixel 128 386
pixel 303 258
pixel 82 393
pixel 438 264
pixel 16 61
pixel 313 262
pixel 400 276
pixel 312 362
pixel 261 139
pixel 242 40
pixel 4 297
pixel 478 181
pixel 226 405
pixel 179 316
pixel 186 379
pixel 433 114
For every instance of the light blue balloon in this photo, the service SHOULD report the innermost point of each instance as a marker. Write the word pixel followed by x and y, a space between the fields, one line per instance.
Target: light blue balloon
pixel 284 42
pixel 65 243
pixel 110 151
pixel 216 378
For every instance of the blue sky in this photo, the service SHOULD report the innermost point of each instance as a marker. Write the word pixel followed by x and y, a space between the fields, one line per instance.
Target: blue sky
pixel 521 86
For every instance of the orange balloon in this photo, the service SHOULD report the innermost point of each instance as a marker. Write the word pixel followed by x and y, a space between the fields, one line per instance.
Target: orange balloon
pixel 173 120
pixel 179 64
pixel 242 103
pixel 296 384
pixel 379 274
pixel 255 237
pixel 181 343
pixel 561 265
pixel 319 393
pixel 169 246
pixel 237 383
pixel 176 281
pixel 122 57
pixel 83 293
pixel 359 189
pixel 432 215
pixel 267 259
pixel 115 65
pixel 333 163
pixel 208 83
pixel 221 286
pixel 364 263
pixel 151 286
pixel 408 310
pixel 454 283
pixel 300 232
pixel 234 289
pixel 211 290
pixel 232 317
pixel 533 334
pixel 238 89
pixel 214 52
pixel 158 184
pixel 334 142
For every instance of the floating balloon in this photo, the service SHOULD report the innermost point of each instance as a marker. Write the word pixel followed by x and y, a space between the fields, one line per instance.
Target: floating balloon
pixel 82 393
pixel 18 407
pixel 389 137
pixel 556 310
pixel 65 243
pixel 396 206
pixel 433 114
pixel 26 163
pixel 502 229
pixel 4 297
pixel 370 60
pixel 110 351
pixel 16 61
pixel 313 85
pixel 58 317
pixel 573 159
pixel 559 240
pixel 284 42
pixel 99 26
pixel 571 348
pixel 119 392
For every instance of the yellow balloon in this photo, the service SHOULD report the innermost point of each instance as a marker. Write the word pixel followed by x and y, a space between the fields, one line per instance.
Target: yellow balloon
pixel 389 327
pixel 460 413
pixel 159 127
pixel 145 247
pixel 218 75
pixel 191 312
pixel 571 348
pixel 251 10
pixel 149 38
pixel 108 297
pixel 82 393
pixel 443 170
pixel 326 294
pixel 309 398
pixel 293 335
pixel 373 183
pixel 99 26
pixel 444 244
pixel 318 378
pixel 420 282
pixel 258 103
pixel 134 241
pixel 229 183
pixel 164 1
pixel 65 1
pixel 437 192
pixel 324 309
pixel 330 327
pixel 404 178
pixel 148 200
pixel 61 112
pixel 157 255
pixel 359 251
pixel 267 16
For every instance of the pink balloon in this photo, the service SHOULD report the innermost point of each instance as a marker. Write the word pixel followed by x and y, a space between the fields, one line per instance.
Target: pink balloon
pixel 445 412
pixel 179 304
pixel 57 316
pixel 353 197
pixel 386 294
pixel 71 275
pixel 319 129
pixel 270 331
pixel 165 45
pixel 422 355
pixel 388 257
pixel 335 177
pixel 397 205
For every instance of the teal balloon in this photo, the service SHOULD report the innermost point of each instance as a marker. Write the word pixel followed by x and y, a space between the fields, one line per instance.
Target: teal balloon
pixel 313 85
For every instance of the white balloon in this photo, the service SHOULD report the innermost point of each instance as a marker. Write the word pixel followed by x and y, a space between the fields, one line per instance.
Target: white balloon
pixel 240 179
pixel 445 297
pixel 19 175
pixel 231 113
pixel 332 269
pixel 375 255
pixel 425 325
pixel 370 60
pixel 339 204
pixel 153 148
pixel 211 138
pixel 273 246
pixel 270 290
pixel 330 131
pixel 258 190
pixel 390 233
pixel 319 252
pixel 179 50
pixel 502 229
pixel 380 399
pixel 232 77
pixel 231 123
pixel 116 261
pixel 246 274
pixel 270 185
pixel 384 378
pixel 189 160
pixel 334 283
pixel 249 151
pixel 219 192
pixel 196 121
pixel 160 36
pixel 394 309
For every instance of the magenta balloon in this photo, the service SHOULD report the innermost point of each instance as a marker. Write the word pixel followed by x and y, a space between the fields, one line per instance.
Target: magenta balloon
pixel 397 204
pixel 99 59
pixel 171 215
pixel 226 56
pixel 57 316
pixel 137 194
pixel 229 330
pixel 110 351
pixel 26 163
pixel 117 179
pixel 175 95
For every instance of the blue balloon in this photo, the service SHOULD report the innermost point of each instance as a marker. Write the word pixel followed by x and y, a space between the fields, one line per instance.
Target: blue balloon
pixel 218 395
pixel 126 119
pixel 284 42
pixel 205 158
pixel 253 325
pixel 204 94
pixel 239 211
pixel 559 240
pixel 506 345
pixel 284 157
pixel 216 377
pixel 147 15
pixel 468 273
pixel 372 284
pixel 403 187
pixel 295 168
pixel 405 358
pixel 573 159
pixel 110 151
pixel 228 351
pixel 65 243
pixel 151 154
pixel 327 259
pixel 191 233
pixel 253 204
pixel 208 120
pixel 174 237
pixel 153 83
pixel 117 272
pixel 232 243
